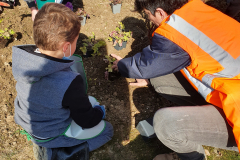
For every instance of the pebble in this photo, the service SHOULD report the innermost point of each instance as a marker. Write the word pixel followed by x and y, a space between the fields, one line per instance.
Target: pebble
pixel 4 108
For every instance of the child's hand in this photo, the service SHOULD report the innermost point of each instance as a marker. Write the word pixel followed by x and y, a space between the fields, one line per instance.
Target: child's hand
pixel 102 109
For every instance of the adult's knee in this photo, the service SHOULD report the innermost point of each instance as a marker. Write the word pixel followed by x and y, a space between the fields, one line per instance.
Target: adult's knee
pixel 168 130
pixel 162 123
pixel 156 83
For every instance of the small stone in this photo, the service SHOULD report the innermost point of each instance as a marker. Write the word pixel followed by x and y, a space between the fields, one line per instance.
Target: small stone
pixel 106 97
pixel 115 94
pixel 4 108
pixel 9 119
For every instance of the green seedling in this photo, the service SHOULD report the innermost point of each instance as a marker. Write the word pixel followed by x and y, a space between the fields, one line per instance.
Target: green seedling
pixel 6 33
pixel 84 50
pixel 117 29
pixel 109 68
pixel 110 63
pixel 122 26
pixel 110 39
pixel 88 43
pixel 98 45
pixel 91 43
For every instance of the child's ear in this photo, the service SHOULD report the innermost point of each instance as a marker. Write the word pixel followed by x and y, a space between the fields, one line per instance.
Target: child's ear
pixel 65 46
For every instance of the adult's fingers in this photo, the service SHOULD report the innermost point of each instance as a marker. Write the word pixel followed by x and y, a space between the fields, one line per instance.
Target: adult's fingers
pixel 139 83
pixel 116 56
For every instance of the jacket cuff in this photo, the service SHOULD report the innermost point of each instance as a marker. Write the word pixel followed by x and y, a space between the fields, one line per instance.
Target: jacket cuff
pixel 99 108
pixel 122 67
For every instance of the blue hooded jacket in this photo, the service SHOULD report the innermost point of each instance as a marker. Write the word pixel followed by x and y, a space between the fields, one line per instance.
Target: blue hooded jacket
pixel 41 85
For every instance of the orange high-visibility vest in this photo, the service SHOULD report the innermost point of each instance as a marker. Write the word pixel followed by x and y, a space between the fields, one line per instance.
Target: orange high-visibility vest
pixel 212 39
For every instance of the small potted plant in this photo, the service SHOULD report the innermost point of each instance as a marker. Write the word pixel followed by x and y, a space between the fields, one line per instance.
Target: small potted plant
pixel 116 6
pixel 81 13
pixel 119 37
pixel 91 46
pixel 5 36
pixel 111 74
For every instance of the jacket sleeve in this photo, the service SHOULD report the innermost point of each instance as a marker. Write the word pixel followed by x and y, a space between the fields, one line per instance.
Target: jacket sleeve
pixel 81 110
pixel 30 3
pixel 161 58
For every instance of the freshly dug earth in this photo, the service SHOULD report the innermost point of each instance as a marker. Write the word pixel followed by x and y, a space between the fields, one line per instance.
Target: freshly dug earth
pixel 125 105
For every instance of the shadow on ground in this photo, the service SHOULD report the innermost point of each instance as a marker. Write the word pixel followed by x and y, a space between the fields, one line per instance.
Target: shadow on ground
pixel 113 94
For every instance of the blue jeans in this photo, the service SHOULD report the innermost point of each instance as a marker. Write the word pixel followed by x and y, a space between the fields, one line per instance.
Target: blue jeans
pixel 194 123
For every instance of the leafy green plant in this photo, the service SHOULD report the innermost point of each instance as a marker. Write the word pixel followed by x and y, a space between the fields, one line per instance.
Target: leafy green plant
pixel 111 74
pixel 96 47
pixel 121 26
pixel 91 44
pixel 110 61
pixel 6 33
pixel 118 36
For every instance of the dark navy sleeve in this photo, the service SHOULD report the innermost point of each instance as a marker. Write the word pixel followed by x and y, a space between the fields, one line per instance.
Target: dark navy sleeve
pixel 81 110
pixel 30 3
pixel 160 58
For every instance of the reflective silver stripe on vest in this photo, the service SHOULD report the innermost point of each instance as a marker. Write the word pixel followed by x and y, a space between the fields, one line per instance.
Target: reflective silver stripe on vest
pixel 203 89
pixel 231 65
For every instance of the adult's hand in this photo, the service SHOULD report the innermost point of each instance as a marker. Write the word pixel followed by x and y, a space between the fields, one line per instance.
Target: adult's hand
pixel 34 11
pixel 115 63
pixel 140 83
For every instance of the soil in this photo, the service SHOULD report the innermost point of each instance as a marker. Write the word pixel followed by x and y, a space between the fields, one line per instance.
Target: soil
pixel 125 105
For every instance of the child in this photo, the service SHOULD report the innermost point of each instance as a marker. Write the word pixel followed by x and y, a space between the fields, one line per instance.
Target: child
pixel 51 104
pixel 32 4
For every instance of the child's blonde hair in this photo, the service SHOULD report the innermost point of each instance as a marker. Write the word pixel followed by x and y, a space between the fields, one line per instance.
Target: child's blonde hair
pixel 53 25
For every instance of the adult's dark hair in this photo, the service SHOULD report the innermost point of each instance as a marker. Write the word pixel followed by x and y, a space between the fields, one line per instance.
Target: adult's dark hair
pixel 169 6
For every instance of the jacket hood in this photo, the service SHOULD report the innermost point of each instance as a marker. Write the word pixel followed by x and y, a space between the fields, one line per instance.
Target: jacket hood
pixel 29 66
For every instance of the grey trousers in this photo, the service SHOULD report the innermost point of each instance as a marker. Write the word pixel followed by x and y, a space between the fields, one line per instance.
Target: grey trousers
pixel 194 123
